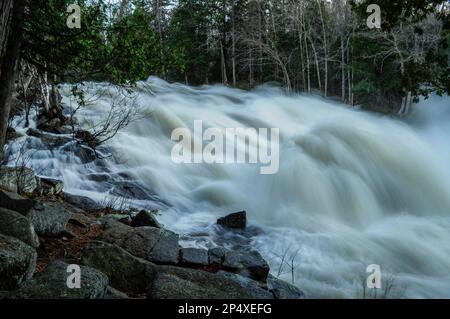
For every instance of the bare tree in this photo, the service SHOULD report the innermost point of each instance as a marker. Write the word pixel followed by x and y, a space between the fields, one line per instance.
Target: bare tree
pixel 404 45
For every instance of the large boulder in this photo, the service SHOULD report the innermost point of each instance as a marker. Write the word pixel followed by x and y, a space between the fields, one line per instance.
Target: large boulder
pixel 17 262
pixel 81 202
pixel 15 202
pixel 16 225
pixel 181 283
pixel 236 220
pixel 194 257
pixel 18 179
pixel 145 218
pixel 154 244
pixel 248 263
pixel 283 290
pixel 125 271
pixel 49 219
pixel 51 283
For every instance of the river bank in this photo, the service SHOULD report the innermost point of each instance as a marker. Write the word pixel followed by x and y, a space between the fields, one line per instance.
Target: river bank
pixel 121 253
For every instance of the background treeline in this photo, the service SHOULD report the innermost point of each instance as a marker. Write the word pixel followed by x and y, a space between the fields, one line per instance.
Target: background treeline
pixel 307 45
pixel 311 46
pixel 304 44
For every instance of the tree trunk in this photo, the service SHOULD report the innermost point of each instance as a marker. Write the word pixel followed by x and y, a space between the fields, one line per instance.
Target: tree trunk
pixel 317 63
pixel 308 63
pixel 300 42
pixel 260 40
pixel 342 69
pixel 233 49
pixel 325 49
pixel 250 75
pixel 11 21
pixel 223 65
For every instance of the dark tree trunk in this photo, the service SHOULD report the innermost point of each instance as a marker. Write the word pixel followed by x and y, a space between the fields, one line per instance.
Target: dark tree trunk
pixel 11 21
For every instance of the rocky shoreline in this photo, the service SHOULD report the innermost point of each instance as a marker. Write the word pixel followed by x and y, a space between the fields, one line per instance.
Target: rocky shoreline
pixel 120 254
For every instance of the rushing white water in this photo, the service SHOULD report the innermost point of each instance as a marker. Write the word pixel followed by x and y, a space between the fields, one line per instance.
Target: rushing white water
pixel 353 188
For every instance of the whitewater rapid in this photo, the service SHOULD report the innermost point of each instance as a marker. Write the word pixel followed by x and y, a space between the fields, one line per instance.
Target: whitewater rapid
pixel 353 188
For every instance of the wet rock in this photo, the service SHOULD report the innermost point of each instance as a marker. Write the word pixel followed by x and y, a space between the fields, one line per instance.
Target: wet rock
pixel 51 187
pixel 81 202
pixel 247 263
pixel 236 220
pixel 98 177
pixel 283 290
pixel 51 141
pixel 84 153
pixel 87 137
pixel 182 283
pixel 113 293
pixel 130 190
pixel 145 218
pixel 64 129
pixel 51 283
pixel 154 244
pixel 17 262
pixel 18 180
pixel 16 225
pixel 217 255
pixel 14 201
pixel 125 271
pixel 11 134
pixel 49 125
pixel 123 218
pixel 49 219
pixel 194 257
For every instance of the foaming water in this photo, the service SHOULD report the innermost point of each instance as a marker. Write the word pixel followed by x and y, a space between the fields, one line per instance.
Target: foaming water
pixel 353 189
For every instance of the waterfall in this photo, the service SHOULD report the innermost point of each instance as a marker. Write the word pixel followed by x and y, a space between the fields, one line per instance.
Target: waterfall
pixel 353 188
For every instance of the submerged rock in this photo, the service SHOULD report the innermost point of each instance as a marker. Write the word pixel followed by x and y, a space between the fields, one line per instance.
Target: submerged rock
pixel 236 220
pixel 145 218
pixel 130 190
pixel 180 283
pixel 16 225
pixel 18 180
pixel 49 219
pixel 125 271
pixel 154 244
pixel 17 262
pixel 14 201
pixel 194 257
pixel 48 140
pixel 51 283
